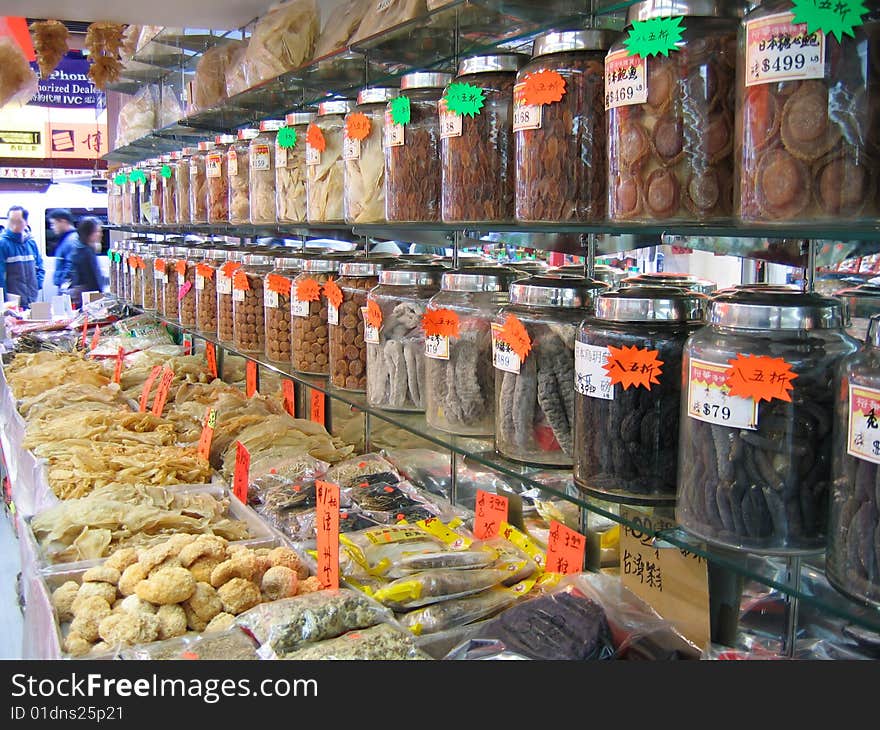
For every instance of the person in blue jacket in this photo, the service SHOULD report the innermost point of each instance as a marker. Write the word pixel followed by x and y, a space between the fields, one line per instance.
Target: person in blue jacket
pixel 21 266
pixel 61 221
pixel 85 272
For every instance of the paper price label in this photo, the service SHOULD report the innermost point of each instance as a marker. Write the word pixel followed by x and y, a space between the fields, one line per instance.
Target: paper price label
pixel 200 282
pixel 298 308
pixel 626 82
pixel 503 356
pixel 777 49
pixel 117 370
pixel 490 514
pixel 181 278
pixel 213 165
pixel 317 408
pixel 450 125
pixel 437 347
pixel 270 298
pixel 241 476
pixel 148 385
pixel 238 295
pixel 289 394
pixel 211 357
pixel 371 332
pixel 280 156
pixel 525 116
pixel 709 397
pixel 313 155
pixel 232 163
pixel 250 384
pixel 261 157
pixel 395 136
pixel 332 314
pixel 565 549
pixel 351 148
pixel 183 290
pixel 863 439
pixel 327 527
pixel 159 275
pixel 162 391
pixel 207 434
pixel 591 378
pixel 224 284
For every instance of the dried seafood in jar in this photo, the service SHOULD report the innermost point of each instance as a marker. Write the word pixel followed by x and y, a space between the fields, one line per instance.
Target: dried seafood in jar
pixel 324 163
pixel 290 168
pixel 217 179
pixel 347 323
pixel 262 160
pixel 364 156
pixel 238 170
pixel 198 184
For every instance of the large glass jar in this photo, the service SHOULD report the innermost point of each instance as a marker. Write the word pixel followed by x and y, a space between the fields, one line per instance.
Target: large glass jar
pixel 862 302
pixel 308 315
pixel 477 152
pixel 160 276
pixel 115 255
pixel 249 324
pixel 198 183
pixel 148 213
pixel 114 198
pixel 755 475
pixel 807 110
pixel 669 278
pixel 561 167
pixel 324 163
pixel 279 284
pixel 216 171
pixel 147 273
pixel 168 185
pixel 290 169
pixel 628 392
pixel 134 263
pixel 182 177
pixel 853 562
pixel 396 353
pixel 458 349
pixel 533 354
pixel 175 262
pixel 185 269
pixel 238 169
pixel 413 180
pixel 346 319
pixel 155 211
pixel 130 212
pixel 670 118
pixel 225 310
pixel 602 272
pixel 262 173
pixel 364 157
pixel 207 271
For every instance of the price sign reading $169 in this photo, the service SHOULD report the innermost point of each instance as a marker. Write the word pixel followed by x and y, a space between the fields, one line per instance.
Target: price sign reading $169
pixel 626 82
pixel 709 398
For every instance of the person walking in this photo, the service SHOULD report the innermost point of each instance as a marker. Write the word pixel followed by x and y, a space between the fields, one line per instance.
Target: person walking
pixel 85 272
pixel 21 266
pixel 61 221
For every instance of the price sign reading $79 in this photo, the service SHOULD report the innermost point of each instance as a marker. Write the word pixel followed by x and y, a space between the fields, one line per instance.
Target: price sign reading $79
pixel 709 398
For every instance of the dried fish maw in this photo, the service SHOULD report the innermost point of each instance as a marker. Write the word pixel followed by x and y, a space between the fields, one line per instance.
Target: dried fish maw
pixel 50 44
pixel 661 84
pixel 783 184
pixel 760 117
pixel 667 139
pixel 843 186
pixel 662 193
pixel 807 132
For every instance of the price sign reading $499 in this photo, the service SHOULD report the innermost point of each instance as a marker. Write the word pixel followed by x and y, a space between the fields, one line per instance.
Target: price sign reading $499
pixel 779 50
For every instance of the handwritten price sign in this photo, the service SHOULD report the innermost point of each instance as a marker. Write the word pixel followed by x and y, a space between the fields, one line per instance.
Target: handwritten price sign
pixel 162 391
pixel 491 513
pixel 633 366
pixel 565 549
pixel 148 385
pixel 207 434
pixel 328 533
pixel 760 378
pixel 241 476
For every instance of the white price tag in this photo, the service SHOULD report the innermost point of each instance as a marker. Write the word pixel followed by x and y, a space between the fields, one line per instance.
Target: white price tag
pixel 371 333
pixel 502 356
pixel 232 163
pixel 863 439
pixel 200 282
pixel 591 379
pixel 213 165
pixel 351 149
pixel 394 135
pixel 709 399
pixel 270 298
pixel 280 156
pixel 224 284
pixel 450 125
pixel 238 295
pixel 525 116
pixel 158 275
pixel 332 314
pixel 626 82
pixel 298 308
pixel 261 158
pixel 181 280
pixel 437 347
pixel 779 50
pixel 313 155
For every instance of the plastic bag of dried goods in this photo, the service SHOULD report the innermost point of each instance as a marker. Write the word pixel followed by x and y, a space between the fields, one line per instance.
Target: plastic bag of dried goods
pixel 138 117
pixel 347 473
pixel 283 39
pixel 434 586
pixel 236 78
pixel 209 84
pixel 459 612
pixel 170 108
pixel 382 642
pixel 341 26
pixel 384 15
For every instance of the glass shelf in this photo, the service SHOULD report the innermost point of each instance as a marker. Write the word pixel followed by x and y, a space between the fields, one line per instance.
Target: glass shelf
pixel 197 40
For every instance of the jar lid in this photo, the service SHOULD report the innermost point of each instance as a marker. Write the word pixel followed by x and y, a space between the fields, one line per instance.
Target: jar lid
pixel 558 41
pixel 326 262
pixel 672 8
pixel 180 251
pixel 362 268
pixel 224 139
pixel 189 151
pixel 215 253
pixel 176 155
pixel 529 267
pixel 413 275
pixel 296 118
pixel 494 62
pixel 376 95
pixel 651 304
pixel 759 286
pixel 479 279
pixel 205 146
pixel 425 80
pixel 196 252
pixel 776 310
pixel 288 261
pixel 418 258
pixel 271 125
pixel 555 290
pixel 166 158
pixel 862 291
pixel 679 281
pixel 248 133
pixel 339 106
pixel 256 259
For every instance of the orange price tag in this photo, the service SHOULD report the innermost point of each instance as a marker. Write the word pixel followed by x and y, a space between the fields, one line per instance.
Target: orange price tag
pixel 491 512
pixel 327 495
pixel 250 379
pixel 211 356
pixel 316 407
pixel 333 292
pixel 84 330
pixel 241 477
pixel 229 268
pixel 308 290
pixel 205 271
pixel 180 267
pixel 208 434
pixel 162 391
pixel 760 378
pixel 132 262
pixel 565 549
pixel 240 281
pixel 357 126
pixel 141 264
pixel 95 337
pixel 278 284
pixel 442 322
pixel 544 87
pixel 633 366
pixel 159 265
pixel 148 386
pixel 373 315
pixel 315 138
pixel 514 333
pixel 117 371
pixel 287 390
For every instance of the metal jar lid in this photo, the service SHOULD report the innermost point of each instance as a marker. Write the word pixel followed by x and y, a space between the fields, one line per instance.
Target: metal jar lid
pixel 498 62
pixel 679 281
pixel 861 301
pixel 413 275
pixel 215 253
pixel 196 253
pixel 651 304
pixel 559 41
pixel 529 267
pixel 364 268
pixel 295 119
pixel 189 151
pixel 271 125
pixel 775 310
pixel 555 290
pixel 256 259
pixel 224 139
pixel 326 262
pixel 339 106
pixel 673 8
pixel 376 95
pixel 479 279
pixel 248 134
pixel 289 262
pixel 180 251
pixel 205 146
pixel 425 80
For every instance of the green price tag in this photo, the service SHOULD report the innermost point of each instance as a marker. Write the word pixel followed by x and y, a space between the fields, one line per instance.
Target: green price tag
pixel 838 17
pixel 137 176
pixel 120 179
pixel 654 37
pixel 464 99
pixel 400 110
pixel 165 171
pixel 286 138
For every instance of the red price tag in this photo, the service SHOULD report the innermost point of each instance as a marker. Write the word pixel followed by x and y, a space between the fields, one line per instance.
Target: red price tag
pixel 333 292
pixel 162 391
pixel 328 533
pixel 514 333
pixel 117 371
pixel 289 397
pixel 207 434
pixel 316 410
pixel 187 344
pixel 242 472
pixel 211 355
pixel 442 322
pixel 633 366
pixel 491 512
pixel 565 549
pixel 85 329
pixel 184 290
pixel 357 126
pixel 148 386
pixel 250 379
pixel 760 378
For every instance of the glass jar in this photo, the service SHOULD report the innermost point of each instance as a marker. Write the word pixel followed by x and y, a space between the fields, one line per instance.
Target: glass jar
pixel 670 118
pixel 160 276
pixel 249 324
pixel 148 215
pixel 669 278
pixel 186 285
pixel 156 209
pixel 561 167
pixel 862 302
pixel 325 166
pixel 238 169
pixel 807 137
pixel 207 271
pixel 261 167
pixel 364 157
pixel 755 476
pixel 458 349
pixel 477 152
pixel 533 354
pixel 601 272
pixel 395 354
pixel 346 315
pixel 182 177
pixel 626 430
pixel 290 171
pixel 114 199
pixel 413 180
pixel 116 260
pixel 225 309
pixel 147 274
pixel 175 262
pixel 216 172
pixel 168 185
pixel 135 262
pixel 198 183
pixel 130 212
pixel 853 561
pixel 279 284
pixel 308 315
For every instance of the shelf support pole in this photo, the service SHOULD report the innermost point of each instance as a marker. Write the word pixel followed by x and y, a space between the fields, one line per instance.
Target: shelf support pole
pixel 810 273
pixel 792 606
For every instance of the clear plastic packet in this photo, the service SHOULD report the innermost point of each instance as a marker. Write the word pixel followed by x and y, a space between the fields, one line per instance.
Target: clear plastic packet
pixel 283 39
pixel 385 14
pixel 232 644
pixel 459 612
pixel 341 26
pixel 170 108
pixel 347 472
pixel 209 84
pixel 425 468
pixel 236 78
pixel 137 118
pixel 285 626
pixel 382 642
pixel 433 586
